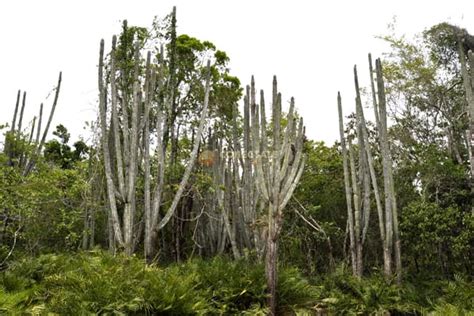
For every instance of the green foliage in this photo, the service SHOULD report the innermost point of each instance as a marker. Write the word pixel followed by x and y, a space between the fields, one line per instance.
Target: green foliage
pixel 17 147
pixel 100 283
pixel 321 192
pixel 425 92
pixel 435 238
pixel 426 95
pixel 344 294
pixel 45 207
pixel 443 43
pixel 60 153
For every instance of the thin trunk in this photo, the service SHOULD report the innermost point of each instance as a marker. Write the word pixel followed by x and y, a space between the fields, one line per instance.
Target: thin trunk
pixel 20 120
pixel 271 265
pixel 347 186
pixel 40 120
pixel 230 231
pixel 354 222
pixel 19 132
pixel 367 195
pixel 357 247
pixel 12 128
pixel 30 139
pixel 85 231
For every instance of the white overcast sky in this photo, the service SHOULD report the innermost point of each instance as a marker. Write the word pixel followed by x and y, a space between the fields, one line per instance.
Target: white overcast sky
pixel 310 45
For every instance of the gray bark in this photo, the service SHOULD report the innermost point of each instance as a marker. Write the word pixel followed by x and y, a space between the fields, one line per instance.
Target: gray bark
pixel 277 177
pixel 40 120
pixel 115 121
pixel 9 146
pixel 129 207
pixel 347 186
pixel 354 221
pixel 373 175
pixel 30 139
pixel 468 78
pixel 20 119
pixel 392 225
pixel 149 87
pixel 29 166
pixel 193 156
pixel 114 221
pixel 12 128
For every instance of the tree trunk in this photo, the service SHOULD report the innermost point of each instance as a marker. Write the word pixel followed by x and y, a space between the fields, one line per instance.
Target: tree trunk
pixel 271 264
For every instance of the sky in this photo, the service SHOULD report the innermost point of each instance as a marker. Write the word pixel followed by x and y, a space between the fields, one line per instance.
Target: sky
pixel 310 45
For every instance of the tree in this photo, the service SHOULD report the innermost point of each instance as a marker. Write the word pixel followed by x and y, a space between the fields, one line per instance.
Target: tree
pixel 60 153
pixel 425 93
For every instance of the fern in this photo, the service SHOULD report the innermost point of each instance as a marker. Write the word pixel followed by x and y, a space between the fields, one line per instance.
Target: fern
pixel 99 283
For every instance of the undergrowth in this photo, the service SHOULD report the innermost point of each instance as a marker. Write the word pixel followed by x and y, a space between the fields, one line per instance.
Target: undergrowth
pixel 99 283
pixel 344 294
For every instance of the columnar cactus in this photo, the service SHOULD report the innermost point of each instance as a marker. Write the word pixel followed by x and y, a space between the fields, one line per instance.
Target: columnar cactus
pixel 279 164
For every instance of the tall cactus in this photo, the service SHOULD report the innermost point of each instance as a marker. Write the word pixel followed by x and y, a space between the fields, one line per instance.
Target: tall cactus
pixel 126 147
pixel 392 233
pixel 468 80
pixel 39 146
pixel 347 185
pixel 279 166
pixel 358 209
pixel 26 160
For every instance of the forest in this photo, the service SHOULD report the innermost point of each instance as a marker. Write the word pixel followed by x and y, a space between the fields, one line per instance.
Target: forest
pixel 200 194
